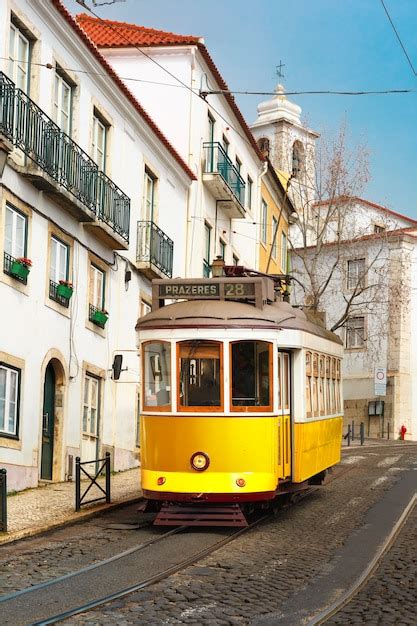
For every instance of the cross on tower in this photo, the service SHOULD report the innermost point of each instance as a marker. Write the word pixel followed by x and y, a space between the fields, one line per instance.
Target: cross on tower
pixel 278 69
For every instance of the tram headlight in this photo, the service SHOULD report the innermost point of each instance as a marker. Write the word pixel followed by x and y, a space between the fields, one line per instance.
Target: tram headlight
pixel 200 461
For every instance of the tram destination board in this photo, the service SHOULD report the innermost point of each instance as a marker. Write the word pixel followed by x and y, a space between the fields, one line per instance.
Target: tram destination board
pixel 210 289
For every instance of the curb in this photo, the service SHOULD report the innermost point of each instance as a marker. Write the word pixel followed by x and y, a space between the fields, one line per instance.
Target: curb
pixel 67 521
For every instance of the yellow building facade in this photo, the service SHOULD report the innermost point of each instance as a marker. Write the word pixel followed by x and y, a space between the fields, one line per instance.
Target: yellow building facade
pixel 275 210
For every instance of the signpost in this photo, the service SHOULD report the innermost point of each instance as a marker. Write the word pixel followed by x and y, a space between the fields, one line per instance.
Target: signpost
pixel 380 381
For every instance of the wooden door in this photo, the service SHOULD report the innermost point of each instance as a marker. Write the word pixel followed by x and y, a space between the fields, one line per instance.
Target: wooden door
pixel 48 420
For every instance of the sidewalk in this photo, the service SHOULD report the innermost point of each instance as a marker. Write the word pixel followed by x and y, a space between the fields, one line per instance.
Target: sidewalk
pixel 36 510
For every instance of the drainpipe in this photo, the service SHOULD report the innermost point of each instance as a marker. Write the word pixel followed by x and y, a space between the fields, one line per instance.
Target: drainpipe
pixel 188 226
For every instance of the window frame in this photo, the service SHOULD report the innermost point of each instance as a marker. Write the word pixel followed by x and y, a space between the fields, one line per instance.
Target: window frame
pixel 249 187
pixel 63 81
pixel 253 409
pixel 103 289
pixel 16 63
pixel 354 264
pixel 156 409
pixel 362 346
pixel 91 377
pixel 284 252
pixel 67 262
pixel 149 206
pixel 20 214
pixel 222 248
pixel 274 243
pixel 98 121
pixel 264 221
pixel 18 372
pixel 198 408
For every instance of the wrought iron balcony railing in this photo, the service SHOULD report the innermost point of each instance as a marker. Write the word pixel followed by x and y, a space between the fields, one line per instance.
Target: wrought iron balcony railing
pixel 206 269
pixel 155 247
pixel 217 162
pixel 24 124
pixel 54 295
pixel 9 262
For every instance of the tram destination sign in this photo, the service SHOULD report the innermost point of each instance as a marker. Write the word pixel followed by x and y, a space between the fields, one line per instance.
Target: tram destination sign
pixel 206 290
pixel 252 289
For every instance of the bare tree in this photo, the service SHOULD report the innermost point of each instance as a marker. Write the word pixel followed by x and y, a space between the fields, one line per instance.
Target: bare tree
pixel 339 255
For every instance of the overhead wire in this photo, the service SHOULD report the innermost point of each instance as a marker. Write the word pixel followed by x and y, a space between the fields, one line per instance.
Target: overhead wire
pixel 398 37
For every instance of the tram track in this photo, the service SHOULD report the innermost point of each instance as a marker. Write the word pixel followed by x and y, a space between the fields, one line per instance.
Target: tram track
pixel 330 611
pixel 37 605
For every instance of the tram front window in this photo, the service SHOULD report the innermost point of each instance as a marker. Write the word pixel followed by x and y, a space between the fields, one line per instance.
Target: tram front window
pixel 200 374
pixel 251 374
pixel 157 375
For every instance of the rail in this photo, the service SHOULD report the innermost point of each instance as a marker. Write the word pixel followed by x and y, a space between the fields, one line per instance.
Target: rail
pixel 41 139
pixel 218 162
pixel 155 247
pixel 79 469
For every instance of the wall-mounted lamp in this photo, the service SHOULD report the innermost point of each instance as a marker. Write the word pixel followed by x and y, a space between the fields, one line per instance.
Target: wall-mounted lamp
pixel 217 267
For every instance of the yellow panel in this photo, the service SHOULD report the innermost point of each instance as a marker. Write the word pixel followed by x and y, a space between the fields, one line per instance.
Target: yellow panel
pixel 237 447
pixel 317 446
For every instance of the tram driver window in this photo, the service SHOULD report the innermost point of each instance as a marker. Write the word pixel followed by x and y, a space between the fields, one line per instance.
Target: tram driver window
pixel 200 366
pixel 157 376
pixel 251 374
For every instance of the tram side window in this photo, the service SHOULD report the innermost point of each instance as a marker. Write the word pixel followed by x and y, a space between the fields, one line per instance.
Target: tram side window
pixel 338 398
pixel 321 385
pixel 308 385
pixel 315 384
pixel 333 386
pixel 200 370
pixel 157 375
pixel 251 374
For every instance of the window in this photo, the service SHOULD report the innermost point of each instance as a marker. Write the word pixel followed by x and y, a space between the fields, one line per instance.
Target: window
pixel 15 233
pixel 211 124
pixel 99 142
pixel 309 405
pixel 59 261
pixel 225 144
pixel 274 237
pixel 378 228
pixel 251 365
pixel 207 246
pixel 322 396
pixel 62 102
pixel 355 332
pixel 238 164
pixel 235 260
pixel 283 381
pixel 284 253
pixel 149 195
pixel 58 270
pixel 249 187
pixel 19 49
pixel 9 400
pixel 156 375
pixel 264 221
pixel 145 308
pixel 91 406
pixel 97 288
pixel 210 153
pixel 200 375
pixel 263 144
pixel 222 248
pixel 356 274
pixel 297 159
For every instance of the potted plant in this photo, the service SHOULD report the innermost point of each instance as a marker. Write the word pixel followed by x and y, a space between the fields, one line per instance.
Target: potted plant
pixel 100 317
pixel 65 289
pixel 21 267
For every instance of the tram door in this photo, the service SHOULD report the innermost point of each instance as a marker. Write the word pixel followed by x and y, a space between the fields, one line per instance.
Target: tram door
pixel 284 412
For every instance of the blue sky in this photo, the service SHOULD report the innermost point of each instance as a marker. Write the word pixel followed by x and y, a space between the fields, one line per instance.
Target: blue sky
pixel 325 45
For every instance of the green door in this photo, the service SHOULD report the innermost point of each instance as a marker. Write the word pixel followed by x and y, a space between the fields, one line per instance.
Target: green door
pixel 48 423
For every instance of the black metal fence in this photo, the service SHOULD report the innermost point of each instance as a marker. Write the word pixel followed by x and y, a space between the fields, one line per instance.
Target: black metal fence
pixel 3 500
pixel 102 466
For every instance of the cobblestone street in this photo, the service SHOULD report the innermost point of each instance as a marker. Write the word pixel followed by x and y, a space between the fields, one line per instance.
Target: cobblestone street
pixel 253 576
pixel 390 596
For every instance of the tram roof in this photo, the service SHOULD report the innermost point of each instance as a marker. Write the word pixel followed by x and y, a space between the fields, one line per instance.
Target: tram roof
pixel 229 314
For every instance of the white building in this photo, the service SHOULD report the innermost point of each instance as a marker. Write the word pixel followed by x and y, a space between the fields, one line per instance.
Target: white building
pixel 85 177
pixel 209 132
pixel 373 251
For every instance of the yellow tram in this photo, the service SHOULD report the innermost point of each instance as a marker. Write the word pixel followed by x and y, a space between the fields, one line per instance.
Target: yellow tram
pixel 241 393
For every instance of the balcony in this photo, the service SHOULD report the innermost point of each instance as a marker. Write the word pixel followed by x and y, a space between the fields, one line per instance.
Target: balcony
pixel 62 169
pixel 223 179
pixel 155 251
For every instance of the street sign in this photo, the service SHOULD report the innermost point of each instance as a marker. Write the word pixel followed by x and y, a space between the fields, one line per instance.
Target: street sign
pixel 380 381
